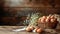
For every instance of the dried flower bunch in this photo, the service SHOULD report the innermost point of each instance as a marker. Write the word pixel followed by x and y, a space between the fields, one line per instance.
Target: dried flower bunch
pixel 32 19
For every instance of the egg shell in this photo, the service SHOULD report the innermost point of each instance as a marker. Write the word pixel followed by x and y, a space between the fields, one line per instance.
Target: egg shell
pixel 31 27
pixel 44 17
pixel 39 30
pixel 28 29
pixel 52 20
pixel 47 20
pixel 43 20
pixel 52 17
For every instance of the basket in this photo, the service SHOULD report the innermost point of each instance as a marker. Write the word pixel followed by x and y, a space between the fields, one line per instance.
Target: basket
pixel 47 25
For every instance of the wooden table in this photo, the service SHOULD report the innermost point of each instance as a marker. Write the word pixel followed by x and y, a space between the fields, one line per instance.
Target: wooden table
pixel 8 30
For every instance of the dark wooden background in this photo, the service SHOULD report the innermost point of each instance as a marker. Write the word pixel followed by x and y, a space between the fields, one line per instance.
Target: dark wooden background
pixel 12 12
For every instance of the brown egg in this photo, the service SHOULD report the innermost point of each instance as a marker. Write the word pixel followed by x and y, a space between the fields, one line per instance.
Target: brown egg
pixel 44 17
pixel 28 29
pixel 31 27
pixel 47 20
pixel 42 20
pixel 52 17
pixel 36 28
pixel 39 30
pixel 52 20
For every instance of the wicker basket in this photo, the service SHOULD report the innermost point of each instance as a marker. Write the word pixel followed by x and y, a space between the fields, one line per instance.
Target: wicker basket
pixel 47 25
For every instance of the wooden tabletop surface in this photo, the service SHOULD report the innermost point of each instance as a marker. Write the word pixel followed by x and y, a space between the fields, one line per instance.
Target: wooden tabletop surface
pixel 8 30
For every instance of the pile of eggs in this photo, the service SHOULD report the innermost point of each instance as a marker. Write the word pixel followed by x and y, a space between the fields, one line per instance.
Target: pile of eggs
pixel 32 29
pixel 47 19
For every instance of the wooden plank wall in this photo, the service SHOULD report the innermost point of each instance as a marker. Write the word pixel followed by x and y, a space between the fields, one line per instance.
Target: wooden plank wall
pixel 14 9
